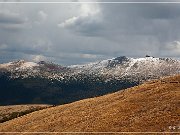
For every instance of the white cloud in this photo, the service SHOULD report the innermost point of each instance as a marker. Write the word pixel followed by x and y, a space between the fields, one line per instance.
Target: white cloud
pixel 88 56
pixel 69 22
pixel 89 18
pixel 171 49
pixel 176 45
pixel 173 46
pixel 42 15
pixel 89 9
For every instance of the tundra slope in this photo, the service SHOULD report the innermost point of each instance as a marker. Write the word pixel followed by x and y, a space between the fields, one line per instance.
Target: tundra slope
pixel 150 107
pixel 48 83
pixel 11 112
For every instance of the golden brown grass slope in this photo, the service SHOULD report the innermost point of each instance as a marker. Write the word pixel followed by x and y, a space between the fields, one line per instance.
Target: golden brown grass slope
pixel 153 107
pixel 13 111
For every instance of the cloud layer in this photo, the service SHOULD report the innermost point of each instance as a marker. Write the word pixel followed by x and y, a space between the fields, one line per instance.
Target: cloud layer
pixel 81 33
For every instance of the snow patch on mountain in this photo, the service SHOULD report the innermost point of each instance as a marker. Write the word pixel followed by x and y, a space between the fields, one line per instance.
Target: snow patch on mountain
pixel 6 65
pixel 28 65
pixel 21 64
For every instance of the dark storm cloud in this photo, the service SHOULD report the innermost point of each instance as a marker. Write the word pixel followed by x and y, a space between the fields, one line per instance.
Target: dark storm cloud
pixel 11 21
pixel 145 27
pixel 80 33
pixel 10 18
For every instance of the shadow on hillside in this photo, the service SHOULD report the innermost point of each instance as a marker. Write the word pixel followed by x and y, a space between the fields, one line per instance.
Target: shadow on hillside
pixel 44 91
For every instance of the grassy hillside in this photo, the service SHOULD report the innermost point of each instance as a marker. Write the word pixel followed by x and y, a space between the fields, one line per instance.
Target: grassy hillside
pixel 153 107
pixel 14 111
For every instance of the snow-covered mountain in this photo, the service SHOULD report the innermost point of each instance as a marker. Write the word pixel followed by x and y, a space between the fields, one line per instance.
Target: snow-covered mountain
pixel 81 81
pixel 134 68
pixel 115 68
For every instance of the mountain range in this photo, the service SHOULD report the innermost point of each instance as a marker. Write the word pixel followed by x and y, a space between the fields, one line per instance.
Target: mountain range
pixel 23 82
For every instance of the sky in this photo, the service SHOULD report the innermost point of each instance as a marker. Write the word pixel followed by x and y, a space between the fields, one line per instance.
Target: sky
pixel 78 33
